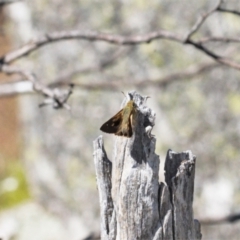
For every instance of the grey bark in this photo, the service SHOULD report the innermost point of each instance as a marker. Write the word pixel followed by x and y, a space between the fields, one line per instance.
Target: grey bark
pixel 133 203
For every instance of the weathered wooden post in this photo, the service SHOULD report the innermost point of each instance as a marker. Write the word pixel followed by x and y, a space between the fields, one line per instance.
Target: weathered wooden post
pixel 134 205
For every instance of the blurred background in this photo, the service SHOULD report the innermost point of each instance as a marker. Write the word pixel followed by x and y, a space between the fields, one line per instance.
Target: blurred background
pixel 47 178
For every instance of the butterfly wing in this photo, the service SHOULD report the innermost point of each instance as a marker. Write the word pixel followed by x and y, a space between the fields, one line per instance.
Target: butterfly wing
pixel 126 128
pixel 121 123
pixel 113 124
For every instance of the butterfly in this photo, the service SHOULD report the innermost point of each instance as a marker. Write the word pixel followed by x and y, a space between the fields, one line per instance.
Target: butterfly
pixel 121 124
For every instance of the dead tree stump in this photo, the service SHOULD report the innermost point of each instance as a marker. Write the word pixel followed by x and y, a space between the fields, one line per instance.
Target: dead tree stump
pixel 134 205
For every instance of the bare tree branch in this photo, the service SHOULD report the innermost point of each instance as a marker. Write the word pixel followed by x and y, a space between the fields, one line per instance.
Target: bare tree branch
pixel 220 9
pixel 184 75
pixel 198 45
pixel 223 60
pixel 160 82
pixel 218 39
pixel 28 85
pixel 87 35
pixel 201 20
pixel 7 89
pixel 118 40
pixel 114 39
pixel 55 97
pixel 228 219
pixel 67 76
pixel 93 236
pixel 29 76
pixel 59 100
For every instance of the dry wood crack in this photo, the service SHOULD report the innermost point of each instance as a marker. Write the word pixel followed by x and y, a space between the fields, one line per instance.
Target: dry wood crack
pixel 134 205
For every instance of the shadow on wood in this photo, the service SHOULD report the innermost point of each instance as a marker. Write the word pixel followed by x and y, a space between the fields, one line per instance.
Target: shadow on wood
pixel 134 205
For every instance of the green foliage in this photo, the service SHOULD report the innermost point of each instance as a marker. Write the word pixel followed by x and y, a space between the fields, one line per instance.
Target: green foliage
pixel 13 186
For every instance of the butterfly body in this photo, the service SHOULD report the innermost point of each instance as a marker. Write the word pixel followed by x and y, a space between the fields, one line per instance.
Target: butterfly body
pixel 121 123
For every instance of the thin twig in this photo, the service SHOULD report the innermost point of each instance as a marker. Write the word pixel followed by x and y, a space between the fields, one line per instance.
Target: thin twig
pixel 7 89
pixel 223 60
pixel 220 9
pixel 114 39
pixel 227 219
pixel 59 100
pixel 122 40
pixel 86 35
pixel 68 76
pixel 160 82
pixel 218 39
pixel 187 74
pixel 55 97
pixel 201 20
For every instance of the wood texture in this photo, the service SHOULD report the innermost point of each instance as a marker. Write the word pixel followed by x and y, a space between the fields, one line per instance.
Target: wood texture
pixel 179 175
pixel 133 203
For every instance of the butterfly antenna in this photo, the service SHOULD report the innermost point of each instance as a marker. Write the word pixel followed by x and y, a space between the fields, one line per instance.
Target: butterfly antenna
pixel 124 94
pixel 146 98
